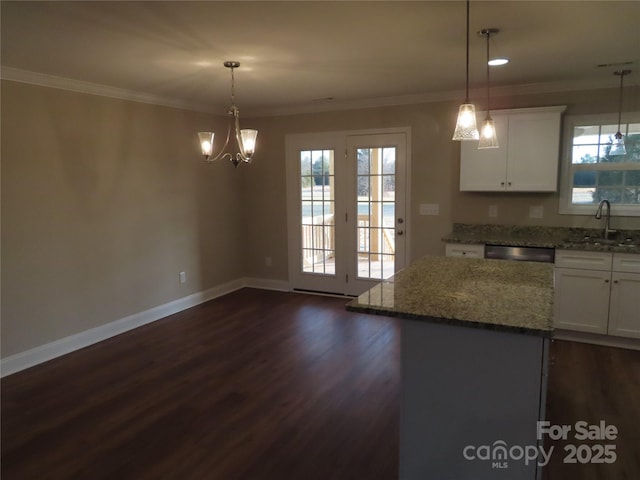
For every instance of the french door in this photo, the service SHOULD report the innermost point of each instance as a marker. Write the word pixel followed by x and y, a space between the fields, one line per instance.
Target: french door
pixel 346 195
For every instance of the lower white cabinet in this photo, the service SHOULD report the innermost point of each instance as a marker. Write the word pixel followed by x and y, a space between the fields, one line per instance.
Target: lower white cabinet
pixel 581 300
pixel 599 293
pixel 624 308
pixel 464 250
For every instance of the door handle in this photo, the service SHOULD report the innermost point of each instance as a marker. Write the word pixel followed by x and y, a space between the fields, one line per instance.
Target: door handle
pixel 400 232
pixel 400 221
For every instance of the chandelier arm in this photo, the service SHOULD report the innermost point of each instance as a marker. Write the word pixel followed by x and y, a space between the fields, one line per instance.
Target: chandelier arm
pixel 221 153
pixel 242 153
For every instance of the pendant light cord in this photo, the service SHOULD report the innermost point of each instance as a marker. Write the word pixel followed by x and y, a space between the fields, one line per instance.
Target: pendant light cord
pixel 622 74
pixel 467 91
pixel 488 107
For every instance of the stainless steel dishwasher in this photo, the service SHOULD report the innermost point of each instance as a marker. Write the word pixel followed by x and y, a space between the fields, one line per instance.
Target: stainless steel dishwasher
pixel 523 254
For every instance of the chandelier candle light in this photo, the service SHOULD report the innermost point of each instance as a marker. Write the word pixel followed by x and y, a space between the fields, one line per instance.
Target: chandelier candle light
pixel 466 125
pixel 618 148
pixel 488 137
pixel 245 138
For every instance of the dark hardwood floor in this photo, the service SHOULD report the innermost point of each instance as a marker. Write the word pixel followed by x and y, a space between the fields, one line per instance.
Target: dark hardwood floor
pixel 264 385
pixel 253 385
pixel 590 383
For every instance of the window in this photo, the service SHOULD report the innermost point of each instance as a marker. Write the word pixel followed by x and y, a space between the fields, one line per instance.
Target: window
pixel 590 174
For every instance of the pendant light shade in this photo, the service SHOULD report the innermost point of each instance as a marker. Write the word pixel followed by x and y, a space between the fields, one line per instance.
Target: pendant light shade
pixel 466 128
pixel 488 136
pixel 617 146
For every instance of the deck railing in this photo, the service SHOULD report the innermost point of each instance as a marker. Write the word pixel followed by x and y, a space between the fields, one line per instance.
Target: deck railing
pixel 318 242
pixel 364 237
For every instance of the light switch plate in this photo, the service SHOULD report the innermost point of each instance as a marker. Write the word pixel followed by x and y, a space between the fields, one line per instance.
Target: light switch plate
pixel 536 211
pixel 429 209
pixel 493 210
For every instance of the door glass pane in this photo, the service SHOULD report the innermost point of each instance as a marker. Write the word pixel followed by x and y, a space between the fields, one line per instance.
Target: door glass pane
pixel 376 212
pixel 317 197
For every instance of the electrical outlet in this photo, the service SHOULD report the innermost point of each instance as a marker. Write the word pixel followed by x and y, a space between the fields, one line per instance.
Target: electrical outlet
pixel 429 209
pixel 268 262
pixel 536 211
pixel 493 210
pixel 183 277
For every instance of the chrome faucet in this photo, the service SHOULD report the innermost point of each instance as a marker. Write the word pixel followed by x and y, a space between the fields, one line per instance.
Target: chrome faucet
pixel 607 218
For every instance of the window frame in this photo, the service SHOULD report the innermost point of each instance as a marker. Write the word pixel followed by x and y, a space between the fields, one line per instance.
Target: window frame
pixel 565 206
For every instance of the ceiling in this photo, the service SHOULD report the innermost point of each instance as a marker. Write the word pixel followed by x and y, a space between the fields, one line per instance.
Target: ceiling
pixel 317 54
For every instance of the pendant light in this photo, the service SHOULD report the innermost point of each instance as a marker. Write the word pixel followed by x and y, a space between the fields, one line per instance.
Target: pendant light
pixel 488 137
pixel 617 147
pixel 245 138
pixel 466 128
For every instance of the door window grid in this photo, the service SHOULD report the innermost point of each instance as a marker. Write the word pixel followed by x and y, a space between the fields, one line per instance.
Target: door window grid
pixel 317 198
pixel 376 212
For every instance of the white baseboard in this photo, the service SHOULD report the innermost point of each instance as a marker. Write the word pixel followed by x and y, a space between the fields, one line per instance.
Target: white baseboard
pixel 49 351
pixel 604 340
pixel 266 284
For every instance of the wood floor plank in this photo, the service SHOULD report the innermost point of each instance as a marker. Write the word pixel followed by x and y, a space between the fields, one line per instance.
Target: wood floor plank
pixel 261 385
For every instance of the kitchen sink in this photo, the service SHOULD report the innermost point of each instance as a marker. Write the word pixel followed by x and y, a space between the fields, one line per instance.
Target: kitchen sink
pixel 617 240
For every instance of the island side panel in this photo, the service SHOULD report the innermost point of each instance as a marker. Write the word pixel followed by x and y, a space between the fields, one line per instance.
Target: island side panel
pixel 468 387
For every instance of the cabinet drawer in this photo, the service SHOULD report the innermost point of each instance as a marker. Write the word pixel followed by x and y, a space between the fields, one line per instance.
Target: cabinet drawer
pixel 464 250
pixel 584 260
pixel 626 262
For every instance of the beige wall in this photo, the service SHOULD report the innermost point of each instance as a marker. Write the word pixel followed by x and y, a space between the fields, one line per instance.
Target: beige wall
pixel 104 202
pixel 435 168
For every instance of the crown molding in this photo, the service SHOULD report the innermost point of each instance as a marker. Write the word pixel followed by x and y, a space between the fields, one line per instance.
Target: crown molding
pixel 446 96
pixel 63 83
pixel 79 86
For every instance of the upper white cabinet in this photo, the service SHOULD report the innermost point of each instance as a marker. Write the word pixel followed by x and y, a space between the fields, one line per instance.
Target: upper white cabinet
pixel 527 157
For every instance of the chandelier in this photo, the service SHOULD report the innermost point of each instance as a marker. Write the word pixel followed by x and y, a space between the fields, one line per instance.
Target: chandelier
pixel 245 138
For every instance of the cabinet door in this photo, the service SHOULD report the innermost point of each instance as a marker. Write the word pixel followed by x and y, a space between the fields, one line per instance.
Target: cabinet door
pixel 581 300
pixel 532 152
pixel 624 314
pixel 485 170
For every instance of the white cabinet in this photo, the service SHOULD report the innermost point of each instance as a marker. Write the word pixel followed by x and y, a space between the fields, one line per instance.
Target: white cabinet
pixel 464 250
pixel 624 310
pixel 581 300
pixel 597 293
pixel 527 157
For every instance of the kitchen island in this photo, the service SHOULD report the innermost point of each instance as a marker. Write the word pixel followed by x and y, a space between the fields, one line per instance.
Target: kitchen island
pixel 475 336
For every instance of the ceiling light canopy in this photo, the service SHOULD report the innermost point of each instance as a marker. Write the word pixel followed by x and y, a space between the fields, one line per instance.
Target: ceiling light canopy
pixel 466 128
pixel 495 62
pixel 245 139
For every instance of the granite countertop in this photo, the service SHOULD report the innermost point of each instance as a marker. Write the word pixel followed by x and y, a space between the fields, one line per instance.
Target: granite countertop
pixel 568 238
pixel 481 293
